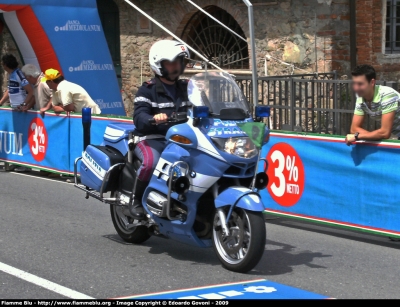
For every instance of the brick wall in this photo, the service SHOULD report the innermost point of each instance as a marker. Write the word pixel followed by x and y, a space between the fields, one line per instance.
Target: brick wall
pixel 335 36
pixel 136 39
pixel 310 34
pixel 370 39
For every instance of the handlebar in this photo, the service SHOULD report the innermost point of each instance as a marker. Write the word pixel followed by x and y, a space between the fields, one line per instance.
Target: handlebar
pixel 153 121
pixel 180 117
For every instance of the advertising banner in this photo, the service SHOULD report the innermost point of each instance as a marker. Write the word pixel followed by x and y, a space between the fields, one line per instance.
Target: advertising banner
pixel 29 139
pixel 67 36
pixel 50 142
pixel 82 50
pixel 311 177
pixel 321 179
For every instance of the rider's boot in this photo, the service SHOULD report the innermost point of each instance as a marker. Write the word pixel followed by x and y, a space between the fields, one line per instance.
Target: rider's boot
pixel 136 208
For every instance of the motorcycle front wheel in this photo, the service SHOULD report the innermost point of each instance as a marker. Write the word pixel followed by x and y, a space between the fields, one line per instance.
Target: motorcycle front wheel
pixel 243 248
pixel 136 235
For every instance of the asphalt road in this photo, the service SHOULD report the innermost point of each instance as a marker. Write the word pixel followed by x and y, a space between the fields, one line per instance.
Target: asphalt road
pixel 48 228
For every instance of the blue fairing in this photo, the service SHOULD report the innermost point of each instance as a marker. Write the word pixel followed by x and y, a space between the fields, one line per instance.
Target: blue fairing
pixel 240 197
pixel 207 165
pixel 185 130
pixel 207 170
pixel 117 135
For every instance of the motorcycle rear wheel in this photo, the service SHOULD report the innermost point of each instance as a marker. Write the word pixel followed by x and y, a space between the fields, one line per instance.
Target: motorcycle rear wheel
pixel 243 248
pixel 135 235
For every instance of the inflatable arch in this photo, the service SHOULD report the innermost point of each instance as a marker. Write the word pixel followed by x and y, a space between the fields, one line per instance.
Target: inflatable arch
pixel 66 35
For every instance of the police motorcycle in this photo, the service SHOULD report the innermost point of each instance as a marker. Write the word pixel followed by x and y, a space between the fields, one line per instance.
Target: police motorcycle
pixel 205 188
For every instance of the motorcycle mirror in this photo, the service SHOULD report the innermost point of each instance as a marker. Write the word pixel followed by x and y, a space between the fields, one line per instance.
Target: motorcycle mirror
pixel 180 116
pixel 262 111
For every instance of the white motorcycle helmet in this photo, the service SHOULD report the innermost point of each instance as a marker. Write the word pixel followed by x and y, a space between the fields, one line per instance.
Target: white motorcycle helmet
pixel 167 50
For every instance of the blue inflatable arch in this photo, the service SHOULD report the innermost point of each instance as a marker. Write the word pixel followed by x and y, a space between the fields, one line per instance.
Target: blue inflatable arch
pixel 66 35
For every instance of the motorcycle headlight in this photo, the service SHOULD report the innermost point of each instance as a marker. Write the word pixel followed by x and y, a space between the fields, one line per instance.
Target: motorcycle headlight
pixel 242 146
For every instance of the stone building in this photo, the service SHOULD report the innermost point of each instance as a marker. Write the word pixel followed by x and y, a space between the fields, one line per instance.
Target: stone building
pixel 292 36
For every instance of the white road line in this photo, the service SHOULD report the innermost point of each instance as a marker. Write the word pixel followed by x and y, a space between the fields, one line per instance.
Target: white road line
pixel 53 180
pixel 42 282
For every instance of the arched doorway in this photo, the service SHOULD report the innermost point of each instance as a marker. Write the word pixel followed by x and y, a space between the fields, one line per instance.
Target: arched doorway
pixel 215 42
pixel 109 16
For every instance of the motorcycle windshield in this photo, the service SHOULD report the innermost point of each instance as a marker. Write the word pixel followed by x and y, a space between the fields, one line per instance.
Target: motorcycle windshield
pixel 220 93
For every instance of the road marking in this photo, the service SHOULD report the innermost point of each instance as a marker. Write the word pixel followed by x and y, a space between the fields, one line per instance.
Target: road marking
pixel 231 293
pixel 42 282
pixel 38 177
pixel 188 289
pixel 244 290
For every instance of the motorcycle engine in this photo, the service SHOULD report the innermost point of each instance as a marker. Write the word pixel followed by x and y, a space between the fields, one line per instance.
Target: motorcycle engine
pixel 157 204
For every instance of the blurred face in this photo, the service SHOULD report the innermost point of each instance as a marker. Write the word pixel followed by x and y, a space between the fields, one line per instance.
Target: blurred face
pixel 31 80
pixel 174 68
pixel 362 87
pixel 5 67
pixel 52 85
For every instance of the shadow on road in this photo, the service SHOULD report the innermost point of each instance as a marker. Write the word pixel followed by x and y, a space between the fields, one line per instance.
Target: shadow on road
pixel 280 258
pixel 117 238
pixel 182 252
pixel 176 250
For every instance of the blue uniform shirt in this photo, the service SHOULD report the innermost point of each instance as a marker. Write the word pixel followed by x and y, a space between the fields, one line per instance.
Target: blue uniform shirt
pixel 154 98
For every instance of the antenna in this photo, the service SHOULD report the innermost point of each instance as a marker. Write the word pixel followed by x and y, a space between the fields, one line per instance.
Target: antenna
pixel 176 37
pixel 216 20
pixel 253 53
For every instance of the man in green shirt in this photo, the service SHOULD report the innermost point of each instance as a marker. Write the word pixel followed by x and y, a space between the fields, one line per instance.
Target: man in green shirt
pixel 380 102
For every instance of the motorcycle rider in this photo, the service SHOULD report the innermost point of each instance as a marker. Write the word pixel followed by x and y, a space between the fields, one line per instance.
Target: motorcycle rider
pixel 157 99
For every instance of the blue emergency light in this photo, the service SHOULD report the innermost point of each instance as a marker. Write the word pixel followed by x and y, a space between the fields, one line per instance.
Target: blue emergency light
pixel 200 112
pixel 262 111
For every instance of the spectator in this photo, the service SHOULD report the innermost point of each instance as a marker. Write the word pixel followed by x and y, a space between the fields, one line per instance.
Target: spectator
pixel 42 94
pixel 68 96
pixel 41 90
pixel 19 92
pixel 380 102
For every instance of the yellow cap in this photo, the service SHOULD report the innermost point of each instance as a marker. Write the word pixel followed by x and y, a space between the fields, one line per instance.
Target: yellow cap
pixel 50 74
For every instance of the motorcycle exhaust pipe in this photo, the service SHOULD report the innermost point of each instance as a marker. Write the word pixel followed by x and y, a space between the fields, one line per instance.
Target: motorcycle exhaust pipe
pixel 86 123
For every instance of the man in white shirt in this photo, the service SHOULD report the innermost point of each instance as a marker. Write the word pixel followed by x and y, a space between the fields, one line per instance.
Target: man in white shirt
pixel 68 96
pixel 19 91
pixel 41 90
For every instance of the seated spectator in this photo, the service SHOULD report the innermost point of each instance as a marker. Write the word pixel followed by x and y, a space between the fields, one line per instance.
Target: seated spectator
pixel 68 96
pixel 41 90
pixel 19 92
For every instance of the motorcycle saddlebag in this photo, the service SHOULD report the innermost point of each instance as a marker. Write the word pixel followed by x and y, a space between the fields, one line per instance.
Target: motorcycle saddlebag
pixel 96 161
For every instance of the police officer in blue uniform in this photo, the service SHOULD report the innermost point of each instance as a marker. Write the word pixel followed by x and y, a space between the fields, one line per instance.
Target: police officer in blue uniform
pixel 157 99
